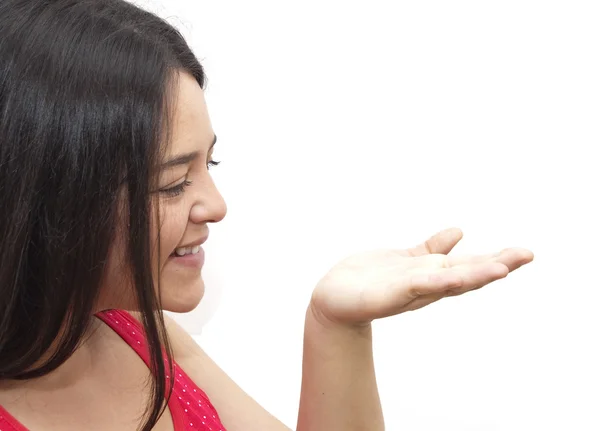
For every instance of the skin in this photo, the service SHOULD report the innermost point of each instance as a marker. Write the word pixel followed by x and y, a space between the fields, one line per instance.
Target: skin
pixel 102 386
pixel 184 217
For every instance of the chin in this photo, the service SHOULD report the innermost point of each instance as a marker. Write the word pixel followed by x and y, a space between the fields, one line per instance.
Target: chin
pixel 181 299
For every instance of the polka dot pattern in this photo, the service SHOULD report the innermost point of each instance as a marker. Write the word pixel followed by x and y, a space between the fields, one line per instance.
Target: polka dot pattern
pixel 189 405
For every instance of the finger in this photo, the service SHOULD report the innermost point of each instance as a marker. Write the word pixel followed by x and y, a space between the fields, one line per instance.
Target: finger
pixel 442 242
pixel 414 291
pixel 475 276
pixel 472 258
pixel 513 258
pixel 460 278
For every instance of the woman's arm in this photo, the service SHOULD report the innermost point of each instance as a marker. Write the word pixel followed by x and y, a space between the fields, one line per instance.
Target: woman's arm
pixel 338 382
pixel 339 389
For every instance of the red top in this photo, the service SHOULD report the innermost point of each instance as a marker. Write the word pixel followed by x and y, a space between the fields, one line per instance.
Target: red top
pixel 189 406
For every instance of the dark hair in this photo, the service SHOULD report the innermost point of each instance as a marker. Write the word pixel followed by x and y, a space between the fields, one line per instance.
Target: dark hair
pixel 86 93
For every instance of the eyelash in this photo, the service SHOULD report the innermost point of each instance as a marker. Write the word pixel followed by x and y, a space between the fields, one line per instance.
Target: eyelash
pixel 180 188
pixel 177 190
pixel 213 163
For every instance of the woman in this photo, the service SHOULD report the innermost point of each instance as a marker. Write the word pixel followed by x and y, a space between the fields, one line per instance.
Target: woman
pixel 105 145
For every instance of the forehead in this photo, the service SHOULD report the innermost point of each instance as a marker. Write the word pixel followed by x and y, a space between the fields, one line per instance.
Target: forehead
pixel 191 129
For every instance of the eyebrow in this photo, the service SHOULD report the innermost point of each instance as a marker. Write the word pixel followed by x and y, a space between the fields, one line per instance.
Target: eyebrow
pixel 184 159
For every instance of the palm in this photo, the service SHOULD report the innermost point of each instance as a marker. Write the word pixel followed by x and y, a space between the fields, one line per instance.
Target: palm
pixel 382 283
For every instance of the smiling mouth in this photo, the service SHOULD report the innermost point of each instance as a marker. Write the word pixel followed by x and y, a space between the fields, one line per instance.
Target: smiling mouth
pixel 186 251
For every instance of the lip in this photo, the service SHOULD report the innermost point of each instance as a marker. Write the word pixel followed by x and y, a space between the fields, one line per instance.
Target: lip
pixel 191 244
pixel 194 244
pixel 190 260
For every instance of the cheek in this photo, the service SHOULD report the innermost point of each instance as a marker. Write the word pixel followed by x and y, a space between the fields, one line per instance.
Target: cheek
pixel 117 286
pixel 173 223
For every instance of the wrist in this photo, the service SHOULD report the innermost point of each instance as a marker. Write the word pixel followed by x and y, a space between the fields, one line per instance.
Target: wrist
pixel 316 316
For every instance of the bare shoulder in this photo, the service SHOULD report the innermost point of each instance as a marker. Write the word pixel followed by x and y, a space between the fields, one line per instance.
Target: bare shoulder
pixel 236 408
pixel 182 343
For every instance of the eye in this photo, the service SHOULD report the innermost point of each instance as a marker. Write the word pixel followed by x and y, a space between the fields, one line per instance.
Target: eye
pixel 213 163
pixel 176 190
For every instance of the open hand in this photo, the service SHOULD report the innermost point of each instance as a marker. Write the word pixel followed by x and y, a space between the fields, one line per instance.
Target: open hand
pixel 376 284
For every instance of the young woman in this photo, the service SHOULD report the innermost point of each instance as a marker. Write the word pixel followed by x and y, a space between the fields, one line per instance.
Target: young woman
pixel 105 145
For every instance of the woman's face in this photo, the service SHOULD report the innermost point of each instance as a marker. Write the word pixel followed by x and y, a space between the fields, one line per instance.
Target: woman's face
pixel 188 200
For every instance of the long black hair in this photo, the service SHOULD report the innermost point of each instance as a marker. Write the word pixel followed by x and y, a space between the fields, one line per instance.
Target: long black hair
pixel 86 94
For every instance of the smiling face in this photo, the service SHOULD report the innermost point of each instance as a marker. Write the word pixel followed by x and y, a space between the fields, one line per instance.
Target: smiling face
pixel 188 201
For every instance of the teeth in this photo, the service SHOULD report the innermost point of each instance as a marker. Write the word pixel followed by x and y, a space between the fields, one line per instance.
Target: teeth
pixel 182 251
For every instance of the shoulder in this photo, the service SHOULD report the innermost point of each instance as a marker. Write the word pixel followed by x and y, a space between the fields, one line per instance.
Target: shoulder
pixel 237 409
pixel 183 344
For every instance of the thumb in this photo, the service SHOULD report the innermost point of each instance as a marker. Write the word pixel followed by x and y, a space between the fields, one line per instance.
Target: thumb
pixel 440 243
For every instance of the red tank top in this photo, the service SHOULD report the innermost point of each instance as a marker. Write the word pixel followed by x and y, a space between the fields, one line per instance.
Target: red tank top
pixel 190 408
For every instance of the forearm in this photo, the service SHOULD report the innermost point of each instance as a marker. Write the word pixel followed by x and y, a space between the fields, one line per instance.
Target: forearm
pixel 339 389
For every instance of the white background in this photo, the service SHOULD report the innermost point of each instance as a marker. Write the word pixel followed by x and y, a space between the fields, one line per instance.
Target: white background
pixel 346 126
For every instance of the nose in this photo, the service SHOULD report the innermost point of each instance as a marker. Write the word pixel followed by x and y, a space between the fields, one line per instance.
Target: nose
pixel 209 206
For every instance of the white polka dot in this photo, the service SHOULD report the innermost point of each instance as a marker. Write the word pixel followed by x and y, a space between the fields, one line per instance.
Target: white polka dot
pixel 184 390
pixel 194 390
pixel 133 333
